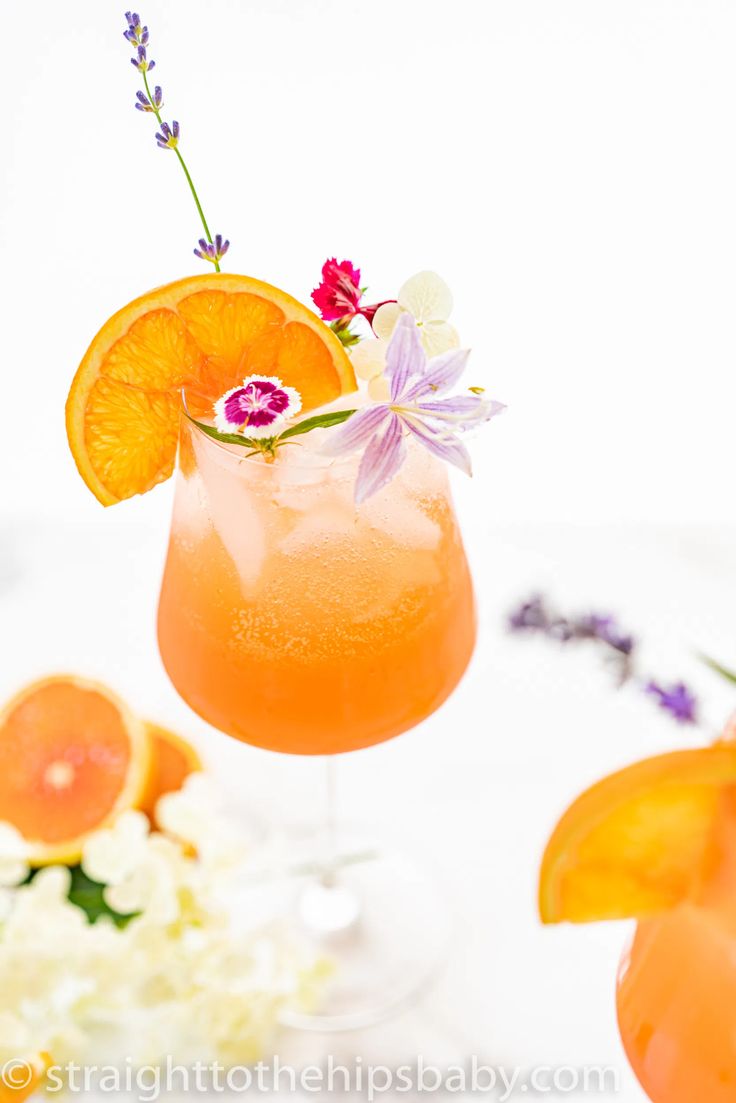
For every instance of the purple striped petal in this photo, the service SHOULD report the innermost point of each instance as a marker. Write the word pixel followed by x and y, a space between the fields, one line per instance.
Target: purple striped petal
pixel 357 430
pixel 405 356
pixel 381 460
pixel 441 444
pixel 464 411
pixel 442 373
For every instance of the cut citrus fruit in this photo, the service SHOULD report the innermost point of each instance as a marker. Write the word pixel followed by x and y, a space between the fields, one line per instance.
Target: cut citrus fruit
pixel 20 1077
pixel 172 761
pixel 204 334
pixel 640 841
pixel 72 756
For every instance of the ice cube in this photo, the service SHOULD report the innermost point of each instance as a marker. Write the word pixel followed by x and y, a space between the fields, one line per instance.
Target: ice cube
pixel 235 510
pixel 399 516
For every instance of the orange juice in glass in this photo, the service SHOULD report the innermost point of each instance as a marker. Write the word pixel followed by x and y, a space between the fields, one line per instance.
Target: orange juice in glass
pixel 677 990
pixel 295 620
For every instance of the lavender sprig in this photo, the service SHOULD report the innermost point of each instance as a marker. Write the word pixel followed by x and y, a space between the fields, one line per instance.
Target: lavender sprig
pixel 167 137
pixel 537 616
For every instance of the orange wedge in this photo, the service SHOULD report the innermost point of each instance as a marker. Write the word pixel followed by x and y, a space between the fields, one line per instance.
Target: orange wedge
pixel 72 757
pixel 640 841
pixel 20 1077
pixel 172 761
pixel 204 334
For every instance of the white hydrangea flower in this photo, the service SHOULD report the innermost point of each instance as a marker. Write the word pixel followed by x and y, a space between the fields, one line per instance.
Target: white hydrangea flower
pixel 191 976
pixel 369 362
pixel 428 299
pixel 152 886
pixel 14 866
pixel 112 854
pixel 192 815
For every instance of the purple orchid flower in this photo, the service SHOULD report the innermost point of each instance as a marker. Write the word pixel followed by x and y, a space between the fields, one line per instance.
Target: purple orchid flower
pixel 413 409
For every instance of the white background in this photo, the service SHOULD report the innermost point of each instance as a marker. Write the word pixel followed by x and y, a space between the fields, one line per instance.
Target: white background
pixel 570 168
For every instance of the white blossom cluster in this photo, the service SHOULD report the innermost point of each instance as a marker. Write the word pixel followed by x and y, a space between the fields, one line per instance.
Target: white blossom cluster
pixel 183 979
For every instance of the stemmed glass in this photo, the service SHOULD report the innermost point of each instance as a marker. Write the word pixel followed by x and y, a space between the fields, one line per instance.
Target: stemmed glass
pixel 296 621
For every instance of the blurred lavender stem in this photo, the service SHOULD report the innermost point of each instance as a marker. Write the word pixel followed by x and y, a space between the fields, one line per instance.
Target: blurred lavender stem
pixel 537 616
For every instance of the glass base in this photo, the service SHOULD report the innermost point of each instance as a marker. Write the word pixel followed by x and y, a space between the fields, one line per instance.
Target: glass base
pixel 379 919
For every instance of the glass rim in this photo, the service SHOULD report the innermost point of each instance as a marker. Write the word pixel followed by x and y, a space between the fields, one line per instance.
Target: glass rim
pixel 331 463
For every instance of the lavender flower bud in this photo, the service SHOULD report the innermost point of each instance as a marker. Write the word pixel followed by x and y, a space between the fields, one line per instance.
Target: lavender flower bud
pixel 212 251
pixel 168 137
pixel 676 699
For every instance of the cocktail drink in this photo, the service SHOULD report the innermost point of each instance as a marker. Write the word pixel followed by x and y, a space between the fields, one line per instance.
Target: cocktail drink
pixel 295 620
pixel 656 842
pixel 677 990
pixel 316 597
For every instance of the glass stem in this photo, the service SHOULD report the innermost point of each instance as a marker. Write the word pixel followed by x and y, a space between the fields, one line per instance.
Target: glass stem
pixel 330 857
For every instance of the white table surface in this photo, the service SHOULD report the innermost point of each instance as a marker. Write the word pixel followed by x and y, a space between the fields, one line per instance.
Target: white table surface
pixel 478 786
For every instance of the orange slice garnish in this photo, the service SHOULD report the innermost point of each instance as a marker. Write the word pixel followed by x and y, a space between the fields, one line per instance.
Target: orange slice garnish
pixel 203 333
pixel 640 841
pixel 72 757
pixel 172 761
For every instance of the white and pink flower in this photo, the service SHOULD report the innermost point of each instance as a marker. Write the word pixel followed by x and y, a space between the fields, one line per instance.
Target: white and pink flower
pixel 258 409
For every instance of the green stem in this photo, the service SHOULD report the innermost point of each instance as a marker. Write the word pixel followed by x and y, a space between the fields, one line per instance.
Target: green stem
pixel 190 182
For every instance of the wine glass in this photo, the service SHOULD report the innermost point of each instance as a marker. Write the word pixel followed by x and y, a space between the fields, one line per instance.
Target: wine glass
pixel 296 621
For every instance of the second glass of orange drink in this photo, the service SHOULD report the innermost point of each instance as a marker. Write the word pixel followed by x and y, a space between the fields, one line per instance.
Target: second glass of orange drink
pixel 656 842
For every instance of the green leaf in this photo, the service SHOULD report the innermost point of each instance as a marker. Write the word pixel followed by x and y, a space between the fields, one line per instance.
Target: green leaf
pixel 269 444
pixel 88 895
pixel 225 438
pixel 729 675
pixel 319 421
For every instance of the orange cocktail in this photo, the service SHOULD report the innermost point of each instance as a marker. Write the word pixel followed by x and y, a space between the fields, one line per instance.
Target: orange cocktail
pixel 677 990
pixel 297 621
pixel 656 841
